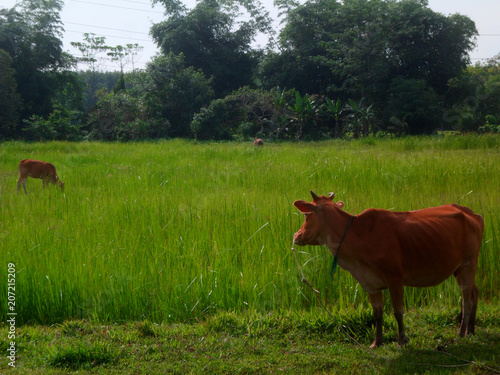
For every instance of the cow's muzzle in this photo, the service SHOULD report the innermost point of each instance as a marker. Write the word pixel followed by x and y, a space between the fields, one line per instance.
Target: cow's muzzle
pixel 297 239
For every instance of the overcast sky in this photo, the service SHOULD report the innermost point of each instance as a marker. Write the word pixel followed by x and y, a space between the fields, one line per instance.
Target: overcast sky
pixel 129 21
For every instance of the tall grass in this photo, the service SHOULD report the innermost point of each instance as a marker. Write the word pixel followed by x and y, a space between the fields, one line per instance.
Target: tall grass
pixel 176 230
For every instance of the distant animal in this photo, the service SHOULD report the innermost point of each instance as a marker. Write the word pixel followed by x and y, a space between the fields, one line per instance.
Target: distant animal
pixel 258 142
pixel 37 169
pixel 388 250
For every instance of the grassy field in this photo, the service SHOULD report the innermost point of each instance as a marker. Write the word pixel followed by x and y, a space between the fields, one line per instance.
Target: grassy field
pixel 253 343
pixel 178 232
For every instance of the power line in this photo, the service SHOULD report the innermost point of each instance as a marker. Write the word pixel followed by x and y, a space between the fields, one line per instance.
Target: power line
pixel 130 1
pixel 106 28
pixel 136 2
pixel 116 7
pixel 110 36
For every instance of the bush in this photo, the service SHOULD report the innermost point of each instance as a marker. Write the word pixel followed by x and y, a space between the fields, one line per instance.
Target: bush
pixel 218 121
pixel 492 125
pixel 61 125
pixel 36 128
pixel 245 114
pixel 489 129
pixel 121 117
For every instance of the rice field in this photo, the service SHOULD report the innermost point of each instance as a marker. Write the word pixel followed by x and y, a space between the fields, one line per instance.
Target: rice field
pixel 177 230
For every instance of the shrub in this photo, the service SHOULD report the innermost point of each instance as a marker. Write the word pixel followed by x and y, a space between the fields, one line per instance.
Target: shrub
pixel 218 121
pixel 61 125
pixel 121 117
pixel 245 114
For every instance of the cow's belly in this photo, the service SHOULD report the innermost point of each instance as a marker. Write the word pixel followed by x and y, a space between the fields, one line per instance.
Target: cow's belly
pixel 374 279
pixel 423 281
pixel 368 280
pixel 430 274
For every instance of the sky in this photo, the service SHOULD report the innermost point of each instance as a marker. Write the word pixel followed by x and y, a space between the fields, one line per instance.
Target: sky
pixel 129 21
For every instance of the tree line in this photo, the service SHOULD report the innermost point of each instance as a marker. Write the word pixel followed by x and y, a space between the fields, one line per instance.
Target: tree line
pixel 336 68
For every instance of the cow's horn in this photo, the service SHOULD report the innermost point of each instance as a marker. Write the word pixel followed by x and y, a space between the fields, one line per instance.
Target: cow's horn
pixel 331 195
pixel 315 197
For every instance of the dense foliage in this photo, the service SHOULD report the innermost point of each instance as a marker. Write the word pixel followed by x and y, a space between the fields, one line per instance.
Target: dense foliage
pixel 31 37
pixel 350 68
pixel 206 38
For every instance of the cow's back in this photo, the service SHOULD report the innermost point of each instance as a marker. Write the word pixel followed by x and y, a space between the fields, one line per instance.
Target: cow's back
pixel 36 168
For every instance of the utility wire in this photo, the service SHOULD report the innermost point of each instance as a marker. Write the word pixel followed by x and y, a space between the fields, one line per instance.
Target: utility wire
pixel 116 6
pixel 111 36
pixel 130 1
pixel 106 28
pixel 137 2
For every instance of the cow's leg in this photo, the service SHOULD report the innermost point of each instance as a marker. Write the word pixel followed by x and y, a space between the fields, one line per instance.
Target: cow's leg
pixel 465 279
pixel 397 297
pixel 472 319
pixel 377 302
pixel 22 180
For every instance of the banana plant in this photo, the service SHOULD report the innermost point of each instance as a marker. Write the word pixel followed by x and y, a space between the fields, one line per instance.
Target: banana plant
pixel 336 109
pixel 362 117
pixel 304 110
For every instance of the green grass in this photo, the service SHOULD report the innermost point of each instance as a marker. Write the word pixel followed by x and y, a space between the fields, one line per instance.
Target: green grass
pixel 175 231
pixel 174 257
pixel 252 343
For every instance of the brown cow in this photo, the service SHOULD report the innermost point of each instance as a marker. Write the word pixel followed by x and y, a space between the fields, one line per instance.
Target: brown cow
pixel 258 142
pixel 37 169
pixel 388 250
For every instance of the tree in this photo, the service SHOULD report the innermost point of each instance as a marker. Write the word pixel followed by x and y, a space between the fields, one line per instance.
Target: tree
pixel 301 61
pixel 211 40
pixel 91 48
pixel 95 52
pixel 64 122
pixel 11 101
pixel 423 44
pixel 124 55
pixel 414 102
pixel 174 92
pixel 31 34
pixel 35 33
pixel 474 96
pixel 356 48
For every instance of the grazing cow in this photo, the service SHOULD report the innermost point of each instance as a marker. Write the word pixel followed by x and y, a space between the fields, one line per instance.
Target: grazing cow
pixel 37 169
pixel 388 250
pixel 258 142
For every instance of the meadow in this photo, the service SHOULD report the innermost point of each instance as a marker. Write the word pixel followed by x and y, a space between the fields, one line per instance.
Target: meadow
pixel 175 231
pixel 156 247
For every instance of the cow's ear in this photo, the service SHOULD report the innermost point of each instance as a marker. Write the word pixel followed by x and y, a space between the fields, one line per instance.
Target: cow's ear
pixel 340 204
pixel 305 207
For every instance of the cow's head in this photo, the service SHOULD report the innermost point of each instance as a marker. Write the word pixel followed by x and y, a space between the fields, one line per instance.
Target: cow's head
pixel 312 231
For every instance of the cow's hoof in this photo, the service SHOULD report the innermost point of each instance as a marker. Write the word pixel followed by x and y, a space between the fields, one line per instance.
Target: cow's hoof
pixel 403 340
pixel 376 344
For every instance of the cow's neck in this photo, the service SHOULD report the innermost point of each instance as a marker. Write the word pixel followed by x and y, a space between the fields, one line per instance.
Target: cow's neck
pixel 338 229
